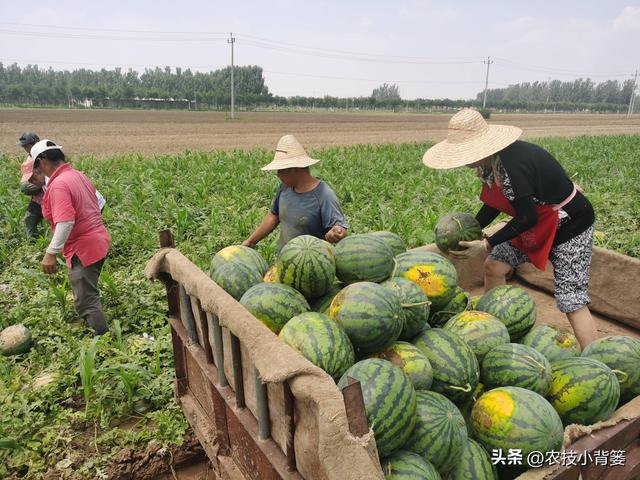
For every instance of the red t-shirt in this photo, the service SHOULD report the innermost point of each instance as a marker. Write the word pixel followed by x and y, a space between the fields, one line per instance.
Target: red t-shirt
pixel 71 196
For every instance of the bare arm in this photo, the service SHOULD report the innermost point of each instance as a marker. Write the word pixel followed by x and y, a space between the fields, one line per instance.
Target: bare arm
pixel 267 225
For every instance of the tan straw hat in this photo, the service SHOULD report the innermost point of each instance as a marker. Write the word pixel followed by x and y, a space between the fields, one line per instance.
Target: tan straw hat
pixel 469 139
pixel 290 154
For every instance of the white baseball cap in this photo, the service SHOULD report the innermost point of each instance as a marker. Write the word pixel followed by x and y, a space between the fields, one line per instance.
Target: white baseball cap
pixel 41 147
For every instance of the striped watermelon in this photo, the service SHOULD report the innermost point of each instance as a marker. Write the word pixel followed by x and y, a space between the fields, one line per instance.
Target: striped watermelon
pixel 271 275
pixel 412 362
pixel 432 272
pixel 457 304
pixel 274 304
pixel 389 402
pixel 553 342
pixel 321 304
pixel 369 313
pixel 396 243
pixel 306 263
pixel 455 367
pixel 363 258
pixel 473 302
pixel 321 341
pixel 15 340
pixel 236 278
pixel 403 465
pixel 440 433
pixel 239 253
pixel 515 365
pixel 515 418
pixel 583 390
pixel 622 355
pixel 474 464
pixel 465 408
pixel 481 330
pixel 455 227
pixel 513 306
pixel 415 306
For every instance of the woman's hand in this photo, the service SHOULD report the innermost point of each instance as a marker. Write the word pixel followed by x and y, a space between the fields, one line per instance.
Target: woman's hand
pixel 472 249
pixel 49 263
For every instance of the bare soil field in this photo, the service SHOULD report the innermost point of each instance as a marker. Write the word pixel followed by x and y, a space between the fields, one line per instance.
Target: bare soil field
pixel 104 133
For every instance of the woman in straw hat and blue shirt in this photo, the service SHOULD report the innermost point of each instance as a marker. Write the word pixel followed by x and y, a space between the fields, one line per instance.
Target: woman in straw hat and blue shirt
pixel 303 204
pixel 551 218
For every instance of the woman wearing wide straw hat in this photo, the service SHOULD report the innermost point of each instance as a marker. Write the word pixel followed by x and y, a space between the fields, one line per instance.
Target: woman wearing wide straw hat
pixel 303 204
pixel 551 218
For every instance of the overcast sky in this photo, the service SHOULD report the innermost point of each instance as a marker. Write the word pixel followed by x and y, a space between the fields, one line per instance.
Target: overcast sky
pixel 429 48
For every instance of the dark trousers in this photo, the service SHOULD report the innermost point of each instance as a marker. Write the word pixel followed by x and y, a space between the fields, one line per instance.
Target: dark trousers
pixel 86 298
pixel 32 217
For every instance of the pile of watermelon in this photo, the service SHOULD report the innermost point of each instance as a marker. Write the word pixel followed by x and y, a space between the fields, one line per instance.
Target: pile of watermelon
pixel 446 378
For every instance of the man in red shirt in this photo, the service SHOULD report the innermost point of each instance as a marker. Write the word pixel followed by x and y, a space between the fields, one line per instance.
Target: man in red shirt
pixel 71 207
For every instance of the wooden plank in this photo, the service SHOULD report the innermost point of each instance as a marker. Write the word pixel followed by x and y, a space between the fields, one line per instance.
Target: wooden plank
pixel 218 348
pixel 236 361
pixel 166 239
pixel 204 325
pixel 199 320
pixel 631 467
pixel 186 314
pixel 354 405
pixel 203 428
pixel 289 419
pixel 177 336
pixel 197 381
pixel 262 401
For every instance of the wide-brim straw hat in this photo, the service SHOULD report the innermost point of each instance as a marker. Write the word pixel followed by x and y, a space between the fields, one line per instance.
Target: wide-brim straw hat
pixel 469 139
pixel 290 154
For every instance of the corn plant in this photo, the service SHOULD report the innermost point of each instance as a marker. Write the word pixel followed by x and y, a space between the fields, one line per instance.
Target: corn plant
pixel 88 372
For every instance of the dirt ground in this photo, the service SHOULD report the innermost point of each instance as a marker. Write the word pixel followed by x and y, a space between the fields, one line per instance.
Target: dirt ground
pixel 108 132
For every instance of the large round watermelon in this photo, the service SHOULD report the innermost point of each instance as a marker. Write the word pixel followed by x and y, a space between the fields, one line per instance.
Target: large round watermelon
pixel 459 303
pixel 271 275
pixel 239 253
pixel 321 341
pixel 622 355
pixel 432 272
pixel 515 418
pixel 403 465
pixel 370 314
pixel 363 258
pixel 15 340
pixel 274 304
pixel 515 365
pixel 474 464
pixel 396 243
pixel 412 362
pixel 455 366
pixel 553 342
pixel 440 433
pixel 481 330
pixel 513 306
pixel 583 390
pixel 389 402
pixel 456 227
pixel 236 278
pixel 321 304
pixel 306 263
pixel 414 303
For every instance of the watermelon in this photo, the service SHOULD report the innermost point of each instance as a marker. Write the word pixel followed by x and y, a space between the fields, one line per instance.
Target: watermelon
pixel 455 367
pixel 474 464
pixel 414 303
pixel 403 465
pixel 583 390
pixel 412 362
pixel 389 402
pixel 370 314
pixel 239 253
pixel 396 243
pixel 515 418
pixel 515 365
pixel 622 355
pixel 432 272
pixel 321 341
pixel 15 340
pixel 271 275
pixel 553 342
pixel 440 433
pixel 513 306
pixel 306 263
pixel 274 304
pixel 455 227
pixel 236 278
pixel 473 302
pixel 481 330
pixel 465 408
pixel 363 258
pixel 457 304
pixel 321 304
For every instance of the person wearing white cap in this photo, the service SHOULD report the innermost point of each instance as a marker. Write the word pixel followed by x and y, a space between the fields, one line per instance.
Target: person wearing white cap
pixel 30 185
pixel 71 206
pixel 303 204
pixel 551 218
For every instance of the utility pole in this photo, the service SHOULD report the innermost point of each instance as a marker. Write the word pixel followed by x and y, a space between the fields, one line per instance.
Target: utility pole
pixel 632 99
pixel 232 41
pixel 486 81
